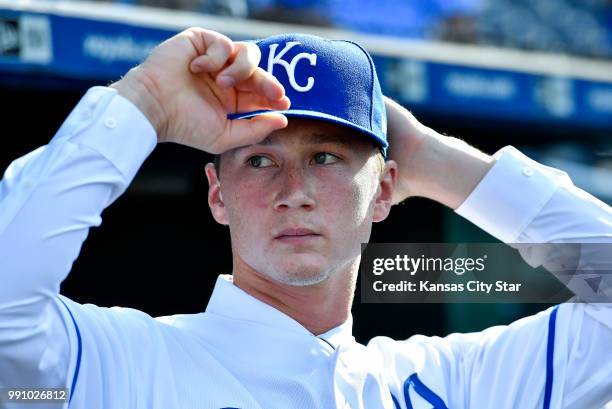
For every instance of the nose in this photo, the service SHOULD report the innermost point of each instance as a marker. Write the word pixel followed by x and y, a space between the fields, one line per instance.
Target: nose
pixel 295 190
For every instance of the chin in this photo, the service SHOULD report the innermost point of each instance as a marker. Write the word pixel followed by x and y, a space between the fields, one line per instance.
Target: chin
pixel 299 275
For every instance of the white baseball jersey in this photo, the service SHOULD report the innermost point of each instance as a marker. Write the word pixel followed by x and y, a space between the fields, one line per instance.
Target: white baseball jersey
pixel 242 353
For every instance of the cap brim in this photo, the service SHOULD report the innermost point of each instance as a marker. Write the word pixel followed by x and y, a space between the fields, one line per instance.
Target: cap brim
pixel 302 113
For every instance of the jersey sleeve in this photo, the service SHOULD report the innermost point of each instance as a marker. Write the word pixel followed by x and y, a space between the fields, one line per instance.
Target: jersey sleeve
pixel 49 199
pixel 540 204
pixel 118 348
pixel 559 358
pixel 537 210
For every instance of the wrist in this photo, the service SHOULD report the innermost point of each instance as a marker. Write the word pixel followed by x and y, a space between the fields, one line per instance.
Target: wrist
pixel 139 89
pixel 447 169
pixel 420 173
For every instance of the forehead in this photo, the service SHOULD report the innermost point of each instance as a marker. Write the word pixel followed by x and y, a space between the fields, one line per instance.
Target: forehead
pixel 302 131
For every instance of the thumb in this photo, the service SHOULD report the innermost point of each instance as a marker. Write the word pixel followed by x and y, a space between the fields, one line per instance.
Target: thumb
pixel 242 132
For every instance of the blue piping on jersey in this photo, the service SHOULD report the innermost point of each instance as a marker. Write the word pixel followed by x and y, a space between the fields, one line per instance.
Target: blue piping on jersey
pixel 79 349
pixel 395 402
pixel 419 387
pixel 550 351
pixel 438 403
pixel 426 393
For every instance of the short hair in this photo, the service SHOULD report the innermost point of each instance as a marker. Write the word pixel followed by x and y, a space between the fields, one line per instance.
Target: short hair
pixel 217 163
pixel 380 159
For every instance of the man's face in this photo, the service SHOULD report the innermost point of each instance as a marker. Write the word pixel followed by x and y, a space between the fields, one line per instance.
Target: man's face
pixel 300 203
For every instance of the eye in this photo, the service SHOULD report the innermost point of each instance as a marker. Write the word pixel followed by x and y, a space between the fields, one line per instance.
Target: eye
pixel 325 158
pixel 258 161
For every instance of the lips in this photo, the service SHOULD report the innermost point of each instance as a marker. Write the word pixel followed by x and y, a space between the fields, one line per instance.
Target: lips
pixel 296 232
pixel 298 236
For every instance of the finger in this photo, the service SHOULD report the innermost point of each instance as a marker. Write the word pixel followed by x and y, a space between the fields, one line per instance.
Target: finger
pixel 242 132
pixel 263 83
pixel 245 59
pixel 213 49
pixel 281 104
pixel 248 102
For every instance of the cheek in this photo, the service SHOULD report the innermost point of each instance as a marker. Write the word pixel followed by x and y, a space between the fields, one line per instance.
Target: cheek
pixel 244 205
pixel 352 202
pixel 253 198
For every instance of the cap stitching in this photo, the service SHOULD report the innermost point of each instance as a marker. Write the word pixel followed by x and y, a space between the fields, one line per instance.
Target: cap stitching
pixel 371 80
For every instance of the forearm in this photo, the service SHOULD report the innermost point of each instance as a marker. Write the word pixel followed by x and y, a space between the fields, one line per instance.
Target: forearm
pixel 140 89
pixel 510 196
pixel 578 230
pixel 51 197
pixel 432 165
pixel 538 210
pixel 447 170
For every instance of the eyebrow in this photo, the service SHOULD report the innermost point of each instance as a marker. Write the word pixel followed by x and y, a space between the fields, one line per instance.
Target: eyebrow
pixel 317 137
pixel 333 138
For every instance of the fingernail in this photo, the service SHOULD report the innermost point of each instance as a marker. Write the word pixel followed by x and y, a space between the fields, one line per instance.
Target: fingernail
pixel 225 81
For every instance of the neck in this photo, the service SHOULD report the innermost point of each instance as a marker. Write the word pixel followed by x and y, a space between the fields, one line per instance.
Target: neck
pixel 318 307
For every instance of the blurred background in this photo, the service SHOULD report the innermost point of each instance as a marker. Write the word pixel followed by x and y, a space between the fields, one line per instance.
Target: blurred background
pixel 535 74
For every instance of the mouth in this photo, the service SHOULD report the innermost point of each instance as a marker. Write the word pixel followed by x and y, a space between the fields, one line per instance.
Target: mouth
pixel 296 236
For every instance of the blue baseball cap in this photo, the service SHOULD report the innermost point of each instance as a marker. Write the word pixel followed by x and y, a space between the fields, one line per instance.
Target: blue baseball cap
pixel 328 80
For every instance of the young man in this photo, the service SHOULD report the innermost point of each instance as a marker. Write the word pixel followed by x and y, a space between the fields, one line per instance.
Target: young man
pixel 299 197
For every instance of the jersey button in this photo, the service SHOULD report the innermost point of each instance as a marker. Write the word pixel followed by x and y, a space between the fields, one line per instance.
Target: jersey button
pixel 527 171
pixel 110 123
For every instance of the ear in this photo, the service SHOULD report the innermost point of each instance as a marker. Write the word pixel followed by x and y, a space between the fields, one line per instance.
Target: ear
pixel 384 197
pixel 215 198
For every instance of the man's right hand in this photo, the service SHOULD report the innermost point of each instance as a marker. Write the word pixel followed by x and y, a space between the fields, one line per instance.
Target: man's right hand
pixel 192 81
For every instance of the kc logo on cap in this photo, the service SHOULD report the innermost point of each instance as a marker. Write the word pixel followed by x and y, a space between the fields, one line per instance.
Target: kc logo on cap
pixel 327 80
pixel 274 58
